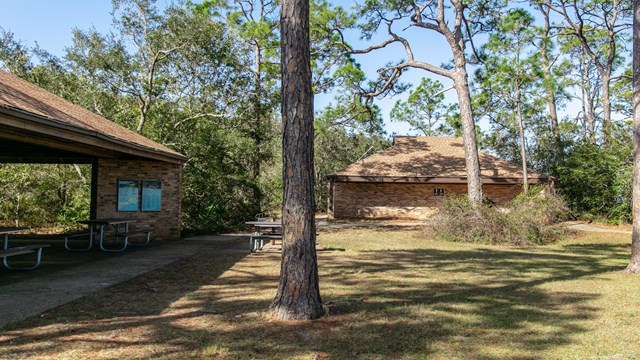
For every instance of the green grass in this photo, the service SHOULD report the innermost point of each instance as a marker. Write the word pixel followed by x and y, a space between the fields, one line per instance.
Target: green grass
pixel 389 294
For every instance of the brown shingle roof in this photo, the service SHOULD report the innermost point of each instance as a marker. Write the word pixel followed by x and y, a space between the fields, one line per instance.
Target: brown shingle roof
pixel 430 157
pixel 20 95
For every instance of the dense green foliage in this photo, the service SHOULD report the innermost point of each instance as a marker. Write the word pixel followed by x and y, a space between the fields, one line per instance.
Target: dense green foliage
pixel 596 180
pixel 539 67
pixel 41 195
pixel 204 80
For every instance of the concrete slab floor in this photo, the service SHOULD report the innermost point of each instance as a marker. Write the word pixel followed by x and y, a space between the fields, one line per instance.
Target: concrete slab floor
pixel 46 290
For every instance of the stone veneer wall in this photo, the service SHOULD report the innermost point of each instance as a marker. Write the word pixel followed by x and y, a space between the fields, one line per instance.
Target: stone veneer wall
pixel 164 224
pixel 402 200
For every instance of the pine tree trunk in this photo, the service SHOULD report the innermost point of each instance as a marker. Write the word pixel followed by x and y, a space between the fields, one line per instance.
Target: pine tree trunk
pixel 634 264
pixel 548 77
pixel 298 295
pixel 553 112
pixel 606 108
pixel 474 184
pixel 587 101
pixel 257 132
pixel 551 103
pixel 523 145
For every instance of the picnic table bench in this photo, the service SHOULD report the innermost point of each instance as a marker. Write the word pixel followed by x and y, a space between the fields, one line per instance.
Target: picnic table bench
pixel 256 242
pixel 7 251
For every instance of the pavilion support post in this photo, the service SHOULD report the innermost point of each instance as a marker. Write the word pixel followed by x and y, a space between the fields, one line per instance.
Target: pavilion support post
pixel 93 207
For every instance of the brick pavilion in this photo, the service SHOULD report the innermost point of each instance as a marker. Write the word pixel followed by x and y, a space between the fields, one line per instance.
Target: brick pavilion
pixel 132 176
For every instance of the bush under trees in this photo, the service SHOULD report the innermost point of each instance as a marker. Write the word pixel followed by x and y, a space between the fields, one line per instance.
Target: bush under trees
pixel 530 219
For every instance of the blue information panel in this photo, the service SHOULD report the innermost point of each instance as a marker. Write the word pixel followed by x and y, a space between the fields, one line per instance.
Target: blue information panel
pixel 151 195
pixel 128 195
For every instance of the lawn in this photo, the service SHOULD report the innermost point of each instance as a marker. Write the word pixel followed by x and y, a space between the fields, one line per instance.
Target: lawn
pixel 389 295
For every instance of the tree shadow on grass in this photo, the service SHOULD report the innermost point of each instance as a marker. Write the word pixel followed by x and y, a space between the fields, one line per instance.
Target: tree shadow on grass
pixel 134 304
pixel 473 302
pixel 478 303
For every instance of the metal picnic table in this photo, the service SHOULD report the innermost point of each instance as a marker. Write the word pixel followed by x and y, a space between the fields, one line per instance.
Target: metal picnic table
pixel 264 230
pixel 97 233
pixel 19 250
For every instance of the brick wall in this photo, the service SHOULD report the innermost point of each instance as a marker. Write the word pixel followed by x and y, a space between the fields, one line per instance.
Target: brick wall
pixel 402 200
pixel 164 224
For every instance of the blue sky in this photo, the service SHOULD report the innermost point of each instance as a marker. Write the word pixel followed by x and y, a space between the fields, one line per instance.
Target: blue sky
pixel 49 24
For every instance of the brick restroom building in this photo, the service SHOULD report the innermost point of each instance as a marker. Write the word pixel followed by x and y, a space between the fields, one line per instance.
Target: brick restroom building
pixel 132 176
pixel 409 180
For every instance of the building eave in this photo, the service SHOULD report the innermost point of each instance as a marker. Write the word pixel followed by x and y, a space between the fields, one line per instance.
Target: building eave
pixel 27 121
pixel 434 180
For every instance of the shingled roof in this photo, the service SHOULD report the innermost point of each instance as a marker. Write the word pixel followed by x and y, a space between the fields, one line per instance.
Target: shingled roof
pixel 430 159
pixel 23 98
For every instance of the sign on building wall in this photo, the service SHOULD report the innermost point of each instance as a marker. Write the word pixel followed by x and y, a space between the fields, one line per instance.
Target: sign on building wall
pixel 127 195
pixel 151 195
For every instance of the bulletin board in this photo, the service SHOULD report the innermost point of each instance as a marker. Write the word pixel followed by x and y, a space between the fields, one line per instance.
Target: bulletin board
pixel 151 195
pixel 128 195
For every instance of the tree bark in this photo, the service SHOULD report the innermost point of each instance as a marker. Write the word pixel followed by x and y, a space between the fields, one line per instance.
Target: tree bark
pixel 298 295
pixel 461 84
pixel 587 100
pixel 257 128
pixel 551 103
pixel 455 37
pixel 523 145
pixel 634 264
pixel 474 184
pixel 606 107
pixel 548 77
pixel 146 95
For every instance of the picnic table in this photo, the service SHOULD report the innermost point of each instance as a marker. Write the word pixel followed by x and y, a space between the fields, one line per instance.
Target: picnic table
pixel 264 230
pixel 7 251
pixel 97 227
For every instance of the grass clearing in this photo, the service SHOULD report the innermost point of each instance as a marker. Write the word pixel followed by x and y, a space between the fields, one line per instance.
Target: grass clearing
pixel 390 295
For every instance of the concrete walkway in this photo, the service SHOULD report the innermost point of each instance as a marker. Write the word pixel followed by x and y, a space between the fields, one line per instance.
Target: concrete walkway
pixel 571 225
pixel 40 293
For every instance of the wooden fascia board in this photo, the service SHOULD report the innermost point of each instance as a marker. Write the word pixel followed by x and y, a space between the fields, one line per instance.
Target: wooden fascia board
pixel 53 128
pixel 432 180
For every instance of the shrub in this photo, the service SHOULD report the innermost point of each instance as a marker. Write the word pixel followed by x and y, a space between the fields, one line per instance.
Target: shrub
pixel 530 218
pixel 596 181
